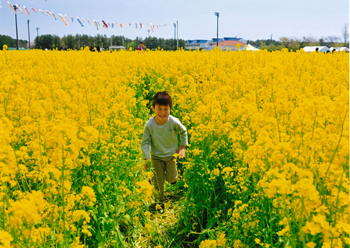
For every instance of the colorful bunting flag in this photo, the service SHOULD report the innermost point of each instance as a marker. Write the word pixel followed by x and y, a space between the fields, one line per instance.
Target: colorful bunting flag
pixel 11 6
pixel 80 22
pixel 62 18
pixel 25 8
pixel 95 24
pixel 19 8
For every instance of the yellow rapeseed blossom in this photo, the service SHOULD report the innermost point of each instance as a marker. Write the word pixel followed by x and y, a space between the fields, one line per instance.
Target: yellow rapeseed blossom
pixel 208 244
pixel 5 239
pixel 275 126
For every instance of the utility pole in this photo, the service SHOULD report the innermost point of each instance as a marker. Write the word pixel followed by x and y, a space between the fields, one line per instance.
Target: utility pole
pixel 28 34
pixel 37 32
pixel 148 30
pixel 217 29
pixel 174 24
pixel 271 38
pixel 15 7
pixel 177 35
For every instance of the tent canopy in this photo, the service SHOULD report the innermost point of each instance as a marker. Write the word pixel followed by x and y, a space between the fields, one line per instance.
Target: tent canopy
pixel 251 48
pixel 339 49
pixel 309 49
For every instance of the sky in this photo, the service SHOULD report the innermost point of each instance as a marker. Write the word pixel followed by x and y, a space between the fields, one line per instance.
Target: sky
pixel 247 19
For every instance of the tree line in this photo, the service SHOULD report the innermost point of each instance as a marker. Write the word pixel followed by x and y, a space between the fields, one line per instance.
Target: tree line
pixel 294 44
pixel 102 41
pixel 76 42
pixel 10 42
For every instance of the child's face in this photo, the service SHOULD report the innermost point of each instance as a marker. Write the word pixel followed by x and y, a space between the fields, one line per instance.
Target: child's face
pixel 162 112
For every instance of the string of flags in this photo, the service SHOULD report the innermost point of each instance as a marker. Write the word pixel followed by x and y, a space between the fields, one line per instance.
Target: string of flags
pixel 81 21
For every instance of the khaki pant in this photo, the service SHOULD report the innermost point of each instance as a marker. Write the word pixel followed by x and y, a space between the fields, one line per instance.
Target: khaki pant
pixel 164 168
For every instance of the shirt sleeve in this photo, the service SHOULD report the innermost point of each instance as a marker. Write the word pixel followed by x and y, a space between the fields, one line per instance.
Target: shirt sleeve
pixel 145 143
pixel 183 133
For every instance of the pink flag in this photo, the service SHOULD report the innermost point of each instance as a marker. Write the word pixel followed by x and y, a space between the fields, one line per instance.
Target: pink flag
pixel 26 9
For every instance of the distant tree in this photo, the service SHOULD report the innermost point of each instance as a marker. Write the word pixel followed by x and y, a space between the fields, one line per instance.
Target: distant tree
pixel 151 43
pixel 44 42
pixel 263 46
pixel 284 41
pixel 280 47
pixel 104 42
pixel 6 40
pixel 56 42
pixel 294 45
pixel 85 40
pixel 132 45
pixel 271 47
pixel 78 43
pixel 69 41
pixel 322 42
pixel 169 44
pixel 310 41
pixel 332 39
pixel 345 33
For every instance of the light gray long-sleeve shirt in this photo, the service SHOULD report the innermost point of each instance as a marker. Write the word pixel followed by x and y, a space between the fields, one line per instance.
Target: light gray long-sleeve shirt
pixel 163 138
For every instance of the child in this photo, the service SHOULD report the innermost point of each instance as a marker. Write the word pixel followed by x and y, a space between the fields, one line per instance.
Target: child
pixel 161 134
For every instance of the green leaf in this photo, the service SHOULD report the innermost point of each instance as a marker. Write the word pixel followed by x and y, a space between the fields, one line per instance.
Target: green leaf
pixel 211 223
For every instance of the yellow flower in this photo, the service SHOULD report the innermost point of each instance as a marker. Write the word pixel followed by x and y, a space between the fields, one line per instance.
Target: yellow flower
pixel 310 245
pixel 145 189
pixel 257 241
pixel 148 227
pixel 221 240
pixel 208 244
pixel 216 172
pixel 5 239
pixel 237 244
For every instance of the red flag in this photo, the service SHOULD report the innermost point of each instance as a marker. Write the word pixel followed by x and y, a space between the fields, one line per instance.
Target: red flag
pixel 26 9
pixel 104 23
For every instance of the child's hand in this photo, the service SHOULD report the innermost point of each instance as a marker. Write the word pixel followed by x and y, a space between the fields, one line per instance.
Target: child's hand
pixel 146 163
pixel 181 151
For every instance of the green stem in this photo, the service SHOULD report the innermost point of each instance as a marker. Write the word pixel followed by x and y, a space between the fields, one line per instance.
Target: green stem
pixel 336 149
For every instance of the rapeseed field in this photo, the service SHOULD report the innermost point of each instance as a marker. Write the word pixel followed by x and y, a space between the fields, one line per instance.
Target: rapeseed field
pixel 267 164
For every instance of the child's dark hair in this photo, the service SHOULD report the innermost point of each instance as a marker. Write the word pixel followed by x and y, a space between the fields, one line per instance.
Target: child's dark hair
pixel 162 98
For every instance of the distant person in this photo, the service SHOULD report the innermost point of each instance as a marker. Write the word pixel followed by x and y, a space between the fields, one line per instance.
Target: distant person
pixel 92 48
pixel 334 50
pixel 316 49
pixel 98 48
pixel 141 46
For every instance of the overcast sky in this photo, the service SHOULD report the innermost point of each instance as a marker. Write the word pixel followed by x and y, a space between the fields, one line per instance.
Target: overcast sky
pixel 248 19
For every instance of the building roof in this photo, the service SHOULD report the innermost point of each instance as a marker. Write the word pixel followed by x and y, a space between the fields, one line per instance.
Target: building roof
pixel 231 43
pixel 232 38
pixel 196 41
pixel 214 40
pixel 313 48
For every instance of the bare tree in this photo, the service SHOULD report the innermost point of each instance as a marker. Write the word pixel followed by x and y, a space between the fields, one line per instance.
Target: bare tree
pixel 332 39
pixel 345 32
pixel 309 40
